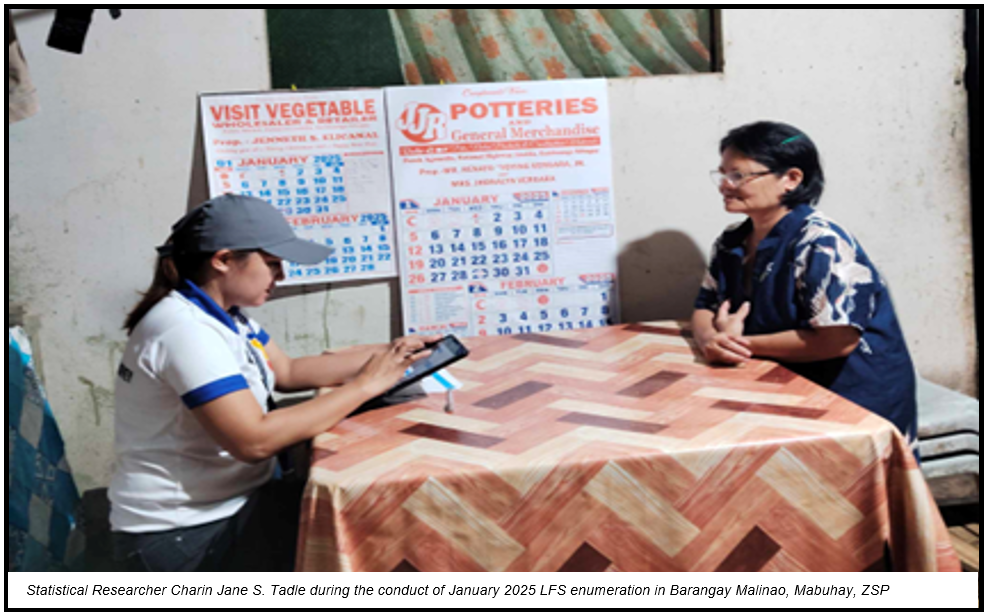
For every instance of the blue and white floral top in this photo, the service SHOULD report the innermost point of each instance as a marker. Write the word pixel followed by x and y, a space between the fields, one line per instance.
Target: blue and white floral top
pixel 810 273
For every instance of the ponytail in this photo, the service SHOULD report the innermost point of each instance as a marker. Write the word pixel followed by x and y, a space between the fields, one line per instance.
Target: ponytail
pixel 169 272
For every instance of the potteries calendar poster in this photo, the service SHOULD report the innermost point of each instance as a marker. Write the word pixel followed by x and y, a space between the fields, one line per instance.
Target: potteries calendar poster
pixel 321 158
pixel 505 218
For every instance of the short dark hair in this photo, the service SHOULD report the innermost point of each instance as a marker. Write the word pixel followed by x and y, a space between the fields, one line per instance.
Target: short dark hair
pixel 781 147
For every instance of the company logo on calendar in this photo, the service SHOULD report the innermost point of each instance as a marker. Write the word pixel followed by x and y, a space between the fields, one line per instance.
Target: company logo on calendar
pixel 422 123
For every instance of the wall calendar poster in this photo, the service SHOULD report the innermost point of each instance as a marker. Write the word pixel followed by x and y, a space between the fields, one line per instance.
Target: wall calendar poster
pixel 321 157
pixel 505 209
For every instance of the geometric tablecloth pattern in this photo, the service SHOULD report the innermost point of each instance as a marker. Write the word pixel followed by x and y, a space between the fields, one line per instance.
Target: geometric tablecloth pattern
pixel 616 449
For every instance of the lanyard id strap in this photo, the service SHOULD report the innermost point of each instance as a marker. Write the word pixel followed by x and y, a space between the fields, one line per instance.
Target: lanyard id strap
pixel 258 361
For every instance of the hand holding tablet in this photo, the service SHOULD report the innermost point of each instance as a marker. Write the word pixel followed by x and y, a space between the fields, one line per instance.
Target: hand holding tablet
pixel 446 351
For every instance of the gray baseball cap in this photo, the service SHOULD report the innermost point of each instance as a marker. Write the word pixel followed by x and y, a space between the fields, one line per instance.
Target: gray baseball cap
pixel 236 222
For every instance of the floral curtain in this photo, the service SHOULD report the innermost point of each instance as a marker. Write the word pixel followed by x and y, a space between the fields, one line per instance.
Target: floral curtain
pixel 480 45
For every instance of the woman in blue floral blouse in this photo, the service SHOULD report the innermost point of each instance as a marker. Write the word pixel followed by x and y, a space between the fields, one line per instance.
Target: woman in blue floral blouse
pixel 790 284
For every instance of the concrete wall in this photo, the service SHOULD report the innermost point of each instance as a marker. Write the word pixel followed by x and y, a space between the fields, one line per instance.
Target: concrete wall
pixel 95 180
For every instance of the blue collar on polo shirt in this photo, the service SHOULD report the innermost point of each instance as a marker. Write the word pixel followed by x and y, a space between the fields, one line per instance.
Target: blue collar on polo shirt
pixel 791 223
pixel 197 296
pixel 788 226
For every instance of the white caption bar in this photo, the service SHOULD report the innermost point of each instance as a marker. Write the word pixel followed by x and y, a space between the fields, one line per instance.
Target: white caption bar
pixel 857 591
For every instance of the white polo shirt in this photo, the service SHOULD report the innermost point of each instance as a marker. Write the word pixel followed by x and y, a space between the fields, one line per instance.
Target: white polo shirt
pixel 170 472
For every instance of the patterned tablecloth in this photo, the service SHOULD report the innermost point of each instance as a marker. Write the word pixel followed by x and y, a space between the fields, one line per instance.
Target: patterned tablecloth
pixel 615 449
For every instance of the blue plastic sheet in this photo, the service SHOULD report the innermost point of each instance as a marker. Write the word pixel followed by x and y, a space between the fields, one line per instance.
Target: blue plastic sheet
pixel 42 534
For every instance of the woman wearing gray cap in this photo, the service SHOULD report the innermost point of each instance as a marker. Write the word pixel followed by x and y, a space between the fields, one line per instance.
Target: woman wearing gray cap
pixel 195 445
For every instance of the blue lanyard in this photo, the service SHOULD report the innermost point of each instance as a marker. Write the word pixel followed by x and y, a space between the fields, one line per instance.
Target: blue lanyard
pixel 255 359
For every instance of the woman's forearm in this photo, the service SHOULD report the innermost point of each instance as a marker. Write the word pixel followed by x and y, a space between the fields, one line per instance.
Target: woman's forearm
pixel 300 422
pixel 806 345
pixel 702 324
pixel 237 423
pixel 335 368
pixel 328 369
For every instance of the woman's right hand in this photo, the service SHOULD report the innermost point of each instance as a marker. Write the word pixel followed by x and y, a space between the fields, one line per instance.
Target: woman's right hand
pixel 384 368
pixel 724 348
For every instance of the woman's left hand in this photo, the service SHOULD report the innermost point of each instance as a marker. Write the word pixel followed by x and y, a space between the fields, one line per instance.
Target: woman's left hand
pixel 732 324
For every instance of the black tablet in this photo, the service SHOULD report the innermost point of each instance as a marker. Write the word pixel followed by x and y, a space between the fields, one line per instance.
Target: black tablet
pixel 445 352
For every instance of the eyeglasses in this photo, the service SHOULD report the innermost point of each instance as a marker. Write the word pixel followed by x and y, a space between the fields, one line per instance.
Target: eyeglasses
pixel 734 179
